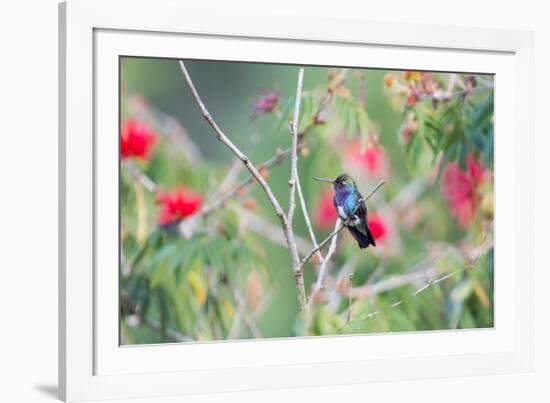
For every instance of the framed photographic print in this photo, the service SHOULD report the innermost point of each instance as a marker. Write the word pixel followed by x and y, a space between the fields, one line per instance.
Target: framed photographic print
pixel 243 208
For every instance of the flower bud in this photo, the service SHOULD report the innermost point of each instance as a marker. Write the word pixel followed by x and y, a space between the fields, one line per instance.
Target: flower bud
pixel 388 79
pixel 304 151
pixel 264 172
pixel 250 204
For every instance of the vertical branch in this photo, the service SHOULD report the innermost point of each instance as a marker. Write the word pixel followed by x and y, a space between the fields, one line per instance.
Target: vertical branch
pixel 292 183
pixel 294 153
pixel 295 184
pixel 308 221
pixel 242 315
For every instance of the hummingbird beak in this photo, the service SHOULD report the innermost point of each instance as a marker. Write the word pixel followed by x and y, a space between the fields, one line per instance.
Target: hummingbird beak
pixel 324 180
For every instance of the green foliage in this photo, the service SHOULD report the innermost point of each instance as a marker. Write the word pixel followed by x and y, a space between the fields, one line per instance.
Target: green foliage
pixel 453 130
pixel 351 114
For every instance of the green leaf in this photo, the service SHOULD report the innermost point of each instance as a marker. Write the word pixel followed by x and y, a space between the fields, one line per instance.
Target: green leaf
pixel 218 253
pixel 455 304
pixel 442 165
pixel 363 121
pixel 351 114
pixel 152 241
pixel 483 112
pixel 231 225
pixel 412 151
pixel 187 253
pixel 286 109
pixel 164 309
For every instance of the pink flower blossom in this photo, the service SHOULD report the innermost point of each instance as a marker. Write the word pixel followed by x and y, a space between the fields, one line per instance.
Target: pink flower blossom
pixel 461 189
pixel 372 158
pixel 266 102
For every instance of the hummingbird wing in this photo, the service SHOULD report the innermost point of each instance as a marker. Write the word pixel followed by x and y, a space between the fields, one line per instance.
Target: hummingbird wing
pixel 361 232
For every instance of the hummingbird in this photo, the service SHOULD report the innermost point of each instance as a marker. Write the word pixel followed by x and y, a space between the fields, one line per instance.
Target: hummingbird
pixel 351 208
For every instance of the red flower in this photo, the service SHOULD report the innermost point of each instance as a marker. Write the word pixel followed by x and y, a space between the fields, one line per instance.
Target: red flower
pixel 411 100
pixel 265 103
pixel 177 205
pixel 377 226
pixel 460 189
pixel 325 214
pixel 372 158
pixel 136 140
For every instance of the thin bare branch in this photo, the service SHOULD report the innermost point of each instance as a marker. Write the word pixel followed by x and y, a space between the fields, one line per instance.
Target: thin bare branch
pixel 254 222
pixel 287 227
pixel 219 202
pixel 140 176
pixel 293 183
pixel 242 315
pixel 297 182
pixel 373 191
pixel 308 220
pixel 471 256
pixel 391 283
pixel 324 264
pixel 298 275
pixel 229 180
pixel 397 303
pixel 423 272
pixel 280 155
pixel 134 315
pixel 220 135
pixel 268 230
pixel 294 154
pixel 234 149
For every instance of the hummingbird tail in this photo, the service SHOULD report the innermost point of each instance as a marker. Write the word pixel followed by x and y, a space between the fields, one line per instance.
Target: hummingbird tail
pixel 363 240
pixel 369 235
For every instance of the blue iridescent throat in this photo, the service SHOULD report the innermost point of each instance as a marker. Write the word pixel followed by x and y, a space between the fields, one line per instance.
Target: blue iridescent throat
pixel 346 198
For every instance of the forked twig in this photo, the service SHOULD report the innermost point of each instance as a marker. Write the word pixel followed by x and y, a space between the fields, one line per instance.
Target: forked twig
pixel 286 224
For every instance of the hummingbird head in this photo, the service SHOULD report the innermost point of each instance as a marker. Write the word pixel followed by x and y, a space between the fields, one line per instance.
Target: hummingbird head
pixel 341 181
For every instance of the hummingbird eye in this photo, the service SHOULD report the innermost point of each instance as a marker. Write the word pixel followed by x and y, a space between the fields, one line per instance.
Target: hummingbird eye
pixel 342 179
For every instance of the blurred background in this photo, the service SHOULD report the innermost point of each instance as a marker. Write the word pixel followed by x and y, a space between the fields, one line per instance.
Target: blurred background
pixel 202 252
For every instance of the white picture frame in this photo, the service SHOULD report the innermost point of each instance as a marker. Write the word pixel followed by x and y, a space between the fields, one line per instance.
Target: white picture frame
pixel 93 34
